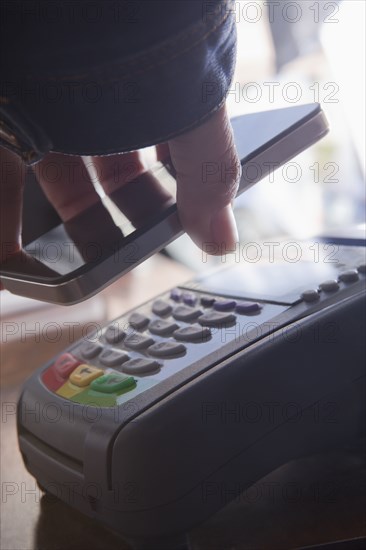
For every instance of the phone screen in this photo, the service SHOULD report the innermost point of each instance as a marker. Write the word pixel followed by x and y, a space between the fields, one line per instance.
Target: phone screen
pixel 100 232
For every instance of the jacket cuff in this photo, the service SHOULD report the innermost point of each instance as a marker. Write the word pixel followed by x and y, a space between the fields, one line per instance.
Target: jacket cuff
pixel 145 99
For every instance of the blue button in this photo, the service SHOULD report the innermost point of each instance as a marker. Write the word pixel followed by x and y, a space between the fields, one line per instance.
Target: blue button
pixel 207 301
pixel 175 294
pixel 248 307
pixel 224 305
pixel 189 298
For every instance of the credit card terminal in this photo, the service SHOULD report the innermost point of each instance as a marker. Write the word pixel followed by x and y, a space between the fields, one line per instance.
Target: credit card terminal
pixel 156 421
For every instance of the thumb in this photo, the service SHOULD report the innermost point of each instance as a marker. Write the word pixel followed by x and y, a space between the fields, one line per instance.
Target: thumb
pixel 208 174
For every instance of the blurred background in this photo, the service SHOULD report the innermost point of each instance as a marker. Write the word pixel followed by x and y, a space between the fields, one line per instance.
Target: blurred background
pixel 292 53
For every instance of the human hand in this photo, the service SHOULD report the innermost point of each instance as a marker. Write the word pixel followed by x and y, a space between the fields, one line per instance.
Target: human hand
pixel 207 168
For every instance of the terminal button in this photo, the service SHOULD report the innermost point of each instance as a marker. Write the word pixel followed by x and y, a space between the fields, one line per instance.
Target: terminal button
pixel 138 341
pixel 140 366
pixel 113 383
pixel 54 377
pixel 93 398
pixel 175 294
pixel 350 276
pixel 187 314
pixel 91 350
pixel 310 296
pixel 329 286
pixel 112 358
pixel 189 298
pixel 162 328
pixel 65 364
pixel 224 305
pixel 83 375
pixel 193 333
pixel 207 301
pixel 161 308
pixel 68 390
pixel 166 349
pixel 248 307
pixel 138 321
pixel 114 334
pixel 217 319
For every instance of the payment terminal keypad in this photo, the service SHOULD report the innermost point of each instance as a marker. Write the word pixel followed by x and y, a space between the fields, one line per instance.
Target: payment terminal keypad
pixel 140 349
pixel 171 333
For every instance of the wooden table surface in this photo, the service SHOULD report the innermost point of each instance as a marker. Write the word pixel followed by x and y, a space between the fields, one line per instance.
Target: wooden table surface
pixel 330 489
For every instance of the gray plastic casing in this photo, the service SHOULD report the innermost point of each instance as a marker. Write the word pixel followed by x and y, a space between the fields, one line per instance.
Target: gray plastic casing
pixel 178 452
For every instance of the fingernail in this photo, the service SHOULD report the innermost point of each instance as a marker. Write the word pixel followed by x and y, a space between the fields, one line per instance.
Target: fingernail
pixel 223 228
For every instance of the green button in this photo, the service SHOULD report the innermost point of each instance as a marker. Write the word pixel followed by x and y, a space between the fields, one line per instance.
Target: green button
pixel 95 398
pixel 113 383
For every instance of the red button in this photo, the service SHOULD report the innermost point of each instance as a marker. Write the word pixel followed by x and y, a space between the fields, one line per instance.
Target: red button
pixel 65 364
pixel 54 377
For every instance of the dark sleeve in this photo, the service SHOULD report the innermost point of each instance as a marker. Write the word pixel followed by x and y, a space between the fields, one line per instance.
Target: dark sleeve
pixel 93 78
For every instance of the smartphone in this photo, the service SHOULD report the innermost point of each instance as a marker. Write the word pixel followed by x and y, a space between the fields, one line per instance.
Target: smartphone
pixel 73 261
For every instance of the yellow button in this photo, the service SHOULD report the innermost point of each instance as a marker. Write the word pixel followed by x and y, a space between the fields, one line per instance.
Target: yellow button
pixel 68 390
pixel 84 374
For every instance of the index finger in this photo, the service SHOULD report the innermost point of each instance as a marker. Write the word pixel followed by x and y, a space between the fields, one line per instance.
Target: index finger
pixel 208 173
